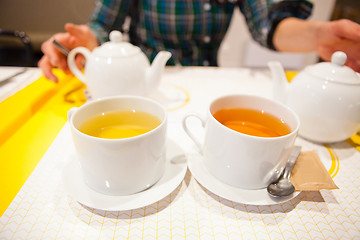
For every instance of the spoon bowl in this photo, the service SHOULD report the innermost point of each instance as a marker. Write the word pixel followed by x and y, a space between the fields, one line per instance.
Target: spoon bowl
pixel 283 187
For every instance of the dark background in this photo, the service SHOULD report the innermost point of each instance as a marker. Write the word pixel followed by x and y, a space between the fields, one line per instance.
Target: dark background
pixel 40 19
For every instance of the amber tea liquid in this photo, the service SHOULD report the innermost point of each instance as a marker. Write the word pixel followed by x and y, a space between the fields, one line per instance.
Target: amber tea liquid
pixel 252 122
pixel 119 124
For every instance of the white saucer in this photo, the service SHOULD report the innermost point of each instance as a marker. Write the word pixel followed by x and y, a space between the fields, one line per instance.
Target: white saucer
pixel 175 171
pixel 171 96
pixel 250 197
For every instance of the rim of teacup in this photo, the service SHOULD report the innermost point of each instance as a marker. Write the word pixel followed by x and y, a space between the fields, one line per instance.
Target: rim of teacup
pixel 294 131
pixel 108 98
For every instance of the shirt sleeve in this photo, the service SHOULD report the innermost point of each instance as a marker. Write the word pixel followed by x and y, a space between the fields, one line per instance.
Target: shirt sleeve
pixel 108 15
pixel 263 16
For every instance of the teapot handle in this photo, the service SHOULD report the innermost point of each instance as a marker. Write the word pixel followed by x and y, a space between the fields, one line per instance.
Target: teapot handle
pixel 71 62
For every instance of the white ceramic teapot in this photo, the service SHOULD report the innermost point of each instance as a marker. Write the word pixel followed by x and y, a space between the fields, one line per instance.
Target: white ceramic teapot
pixel 326 96
pixel 118 68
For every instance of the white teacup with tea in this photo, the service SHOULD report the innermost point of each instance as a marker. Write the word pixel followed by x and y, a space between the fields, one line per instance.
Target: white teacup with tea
pixel 120 143
pixel 248 139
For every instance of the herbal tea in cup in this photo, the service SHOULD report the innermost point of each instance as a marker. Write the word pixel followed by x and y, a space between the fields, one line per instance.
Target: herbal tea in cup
pixel 248 139
pixel 120 143
pixel 119 124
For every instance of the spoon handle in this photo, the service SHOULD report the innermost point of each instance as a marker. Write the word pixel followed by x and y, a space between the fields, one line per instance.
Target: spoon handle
pixel 61 48
pixel 291 162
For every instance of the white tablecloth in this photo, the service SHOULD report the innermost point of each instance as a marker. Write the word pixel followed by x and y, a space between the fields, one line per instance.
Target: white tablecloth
pixel 43 209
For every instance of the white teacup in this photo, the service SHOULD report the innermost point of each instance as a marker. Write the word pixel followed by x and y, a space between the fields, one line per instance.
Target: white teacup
pixel 238 159
pixel 120 166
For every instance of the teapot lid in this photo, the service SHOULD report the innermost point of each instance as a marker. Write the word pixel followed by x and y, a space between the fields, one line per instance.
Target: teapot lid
pixel 116 47
pixel 335 70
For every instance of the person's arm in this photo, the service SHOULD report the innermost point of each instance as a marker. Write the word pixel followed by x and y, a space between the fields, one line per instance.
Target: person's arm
pixel 109 15
pixel 296 35
pixel 263 16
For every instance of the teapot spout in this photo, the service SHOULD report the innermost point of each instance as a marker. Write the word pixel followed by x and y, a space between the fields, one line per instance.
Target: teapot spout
pixel 280 83
pixel 154 73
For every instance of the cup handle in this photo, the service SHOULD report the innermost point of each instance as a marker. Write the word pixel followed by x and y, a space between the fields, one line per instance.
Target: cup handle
pixel 71 62
pixel 71 112
pixel 189 133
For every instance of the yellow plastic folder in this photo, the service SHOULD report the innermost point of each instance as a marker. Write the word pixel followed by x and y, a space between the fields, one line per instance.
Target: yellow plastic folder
pixel 30 121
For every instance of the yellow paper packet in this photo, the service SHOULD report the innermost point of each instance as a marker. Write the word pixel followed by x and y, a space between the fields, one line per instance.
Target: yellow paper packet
pixel 309 173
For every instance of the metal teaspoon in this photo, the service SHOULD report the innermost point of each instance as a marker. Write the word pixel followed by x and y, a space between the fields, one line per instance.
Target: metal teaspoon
pixel 283 187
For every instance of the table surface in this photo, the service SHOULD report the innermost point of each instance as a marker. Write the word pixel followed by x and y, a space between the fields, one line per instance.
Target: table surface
pixel 42 209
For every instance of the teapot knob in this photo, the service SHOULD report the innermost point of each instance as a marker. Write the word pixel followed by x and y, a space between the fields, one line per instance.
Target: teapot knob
pixel 339 58
pixel 115 36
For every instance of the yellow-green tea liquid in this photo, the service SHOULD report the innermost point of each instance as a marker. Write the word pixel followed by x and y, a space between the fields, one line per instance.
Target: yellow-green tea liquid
pixel 120 124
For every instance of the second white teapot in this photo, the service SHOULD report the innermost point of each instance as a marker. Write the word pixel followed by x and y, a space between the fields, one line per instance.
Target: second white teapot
pixel 326 96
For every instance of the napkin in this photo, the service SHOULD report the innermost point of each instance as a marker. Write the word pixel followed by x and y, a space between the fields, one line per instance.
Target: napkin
pixel 309 174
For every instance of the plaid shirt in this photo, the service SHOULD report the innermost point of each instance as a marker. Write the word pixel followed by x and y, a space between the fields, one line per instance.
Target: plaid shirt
pixel 192 30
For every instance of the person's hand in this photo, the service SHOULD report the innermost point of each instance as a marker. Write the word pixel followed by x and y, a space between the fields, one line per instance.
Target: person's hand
pixel 296 35
pixel 341 35
pixel 75 36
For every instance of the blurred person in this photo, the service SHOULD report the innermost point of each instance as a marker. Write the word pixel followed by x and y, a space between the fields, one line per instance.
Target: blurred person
pixel 192 30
